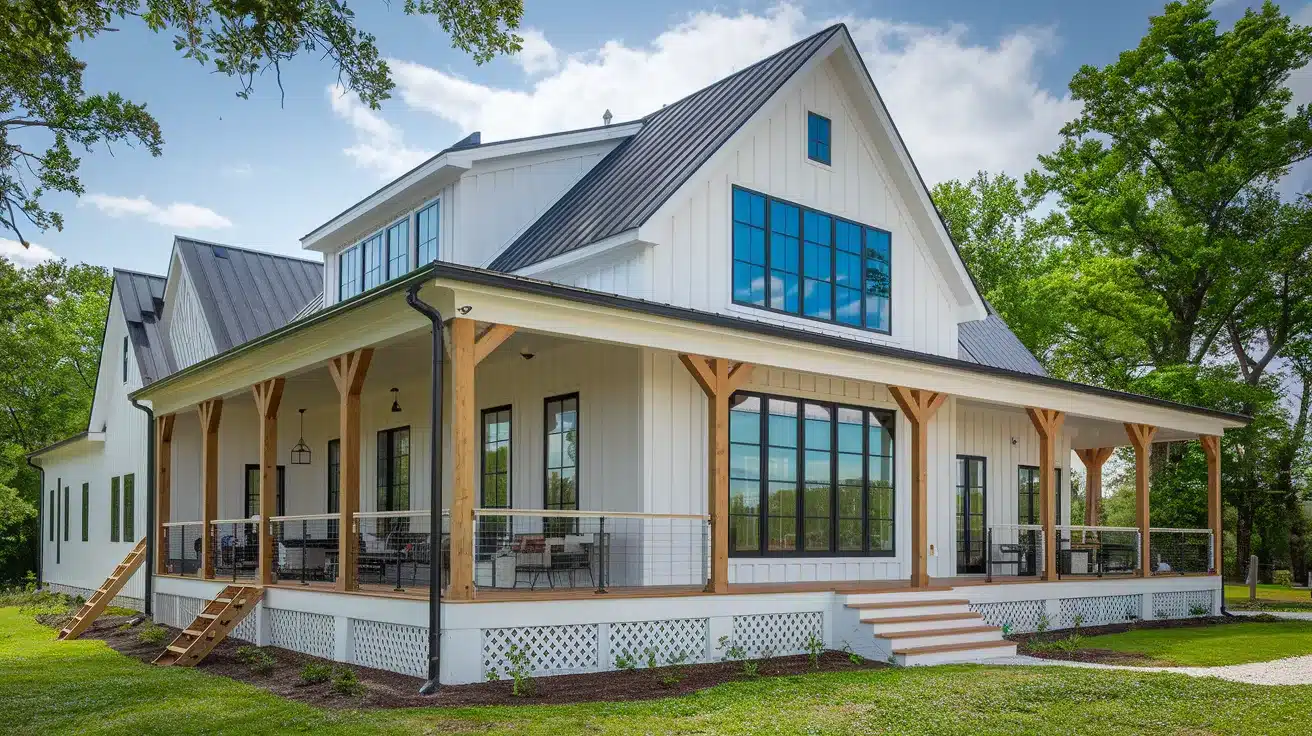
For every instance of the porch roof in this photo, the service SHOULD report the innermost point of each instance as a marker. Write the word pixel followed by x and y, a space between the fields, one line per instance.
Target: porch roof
pixel 480 289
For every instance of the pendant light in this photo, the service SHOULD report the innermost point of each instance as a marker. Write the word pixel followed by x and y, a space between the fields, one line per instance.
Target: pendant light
pixel 301 452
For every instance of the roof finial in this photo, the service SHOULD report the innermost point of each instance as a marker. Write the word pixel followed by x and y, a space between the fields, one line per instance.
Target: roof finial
pixel 606 117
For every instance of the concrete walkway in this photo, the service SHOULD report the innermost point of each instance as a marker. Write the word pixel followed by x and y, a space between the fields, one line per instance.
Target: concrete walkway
pixel 1291 615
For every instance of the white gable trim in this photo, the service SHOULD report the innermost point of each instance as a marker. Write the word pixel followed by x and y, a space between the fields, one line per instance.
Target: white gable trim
pixel 615 245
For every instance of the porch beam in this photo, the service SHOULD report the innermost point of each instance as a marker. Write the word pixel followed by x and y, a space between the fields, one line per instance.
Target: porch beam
pixel 210 412
pixel 1048 423
pixel 1093 459
pixel 163 487
pixel 268 396
pixel 1141 437
pixel 1212 449
pixel 718 379
pixel 348 371
pixel 919 406
pixel 490 340
pixel 464 359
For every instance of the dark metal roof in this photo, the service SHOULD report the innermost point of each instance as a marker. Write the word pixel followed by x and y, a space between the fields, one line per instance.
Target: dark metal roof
pixel 246 293
pixel 640 174
pixel 141 297
pixel 991 342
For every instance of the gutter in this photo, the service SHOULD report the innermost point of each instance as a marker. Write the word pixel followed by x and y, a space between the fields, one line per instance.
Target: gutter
pixel 40 516
pixel 151 536
pixel 435 492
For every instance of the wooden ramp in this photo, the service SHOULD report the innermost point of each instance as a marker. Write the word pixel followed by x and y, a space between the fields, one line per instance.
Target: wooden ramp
pixel 219 618
pixel 95 605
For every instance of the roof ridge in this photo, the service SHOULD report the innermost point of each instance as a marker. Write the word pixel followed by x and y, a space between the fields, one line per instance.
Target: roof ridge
pixel 116 269
pixel 245 249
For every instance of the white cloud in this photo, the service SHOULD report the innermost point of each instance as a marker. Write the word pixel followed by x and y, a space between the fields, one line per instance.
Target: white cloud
pixel 379 145
pixel 960 107
pixel 240 169
pixel 181 215
pixel 14 252
pixel 536 54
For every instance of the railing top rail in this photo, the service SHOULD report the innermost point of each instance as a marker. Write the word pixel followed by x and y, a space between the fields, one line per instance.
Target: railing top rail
pixel 306 517
pixel 251 520
pixel 1021 527
pixel 570 514
pixel 397 514
pixel 198 522
pixel 1181 531
pixel 1082 528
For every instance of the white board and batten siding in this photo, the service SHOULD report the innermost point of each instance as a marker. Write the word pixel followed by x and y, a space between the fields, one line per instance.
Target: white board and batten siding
pixel 188 331
pixel 691 262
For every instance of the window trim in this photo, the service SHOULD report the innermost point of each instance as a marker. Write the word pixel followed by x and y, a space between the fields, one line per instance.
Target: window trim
pixel 391 458
pixel 510 454
pixel 115 508
pixel 129 510
pixel 578 450
pixel 762 514
pixel 833 264
pixel 435 205
pixel 956 514
pixel 829 144
pixel 86 512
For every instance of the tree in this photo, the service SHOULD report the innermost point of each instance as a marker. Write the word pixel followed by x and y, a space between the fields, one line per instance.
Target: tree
pixel 47 119
pixel 52 318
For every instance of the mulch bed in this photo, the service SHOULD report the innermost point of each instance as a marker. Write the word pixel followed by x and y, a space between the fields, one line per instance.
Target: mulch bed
pixel 383 689
pixel 1025 642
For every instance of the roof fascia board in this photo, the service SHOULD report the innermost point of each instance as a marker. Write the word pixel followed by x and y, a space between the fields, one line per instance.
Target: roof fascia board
pixel 908 179
pixel 615 245
pixel 469 156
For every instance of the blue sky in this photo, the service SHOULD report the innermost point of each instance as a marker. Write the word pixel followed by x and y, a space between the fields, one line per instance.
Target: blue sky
pixel 972 85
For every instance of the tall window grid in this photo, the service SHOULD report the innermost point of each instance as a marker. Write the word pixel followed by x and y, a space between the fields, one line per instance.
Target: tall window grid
pixel 334 480
pixel 799 261
pixel 561 486
pixel 809 478
pixel 394 469
pixel 496 458
pixel 426 229
pixel 385 255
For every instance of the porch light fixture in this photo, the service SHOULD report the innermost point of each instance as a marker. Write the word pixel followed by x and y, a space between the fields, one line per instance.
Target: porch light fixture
pixel 301 452
pixel 396 407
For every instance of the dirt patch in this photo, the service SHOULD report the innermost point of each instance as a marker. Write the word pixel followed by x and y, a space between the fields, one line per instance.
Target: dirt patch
pixel 382 689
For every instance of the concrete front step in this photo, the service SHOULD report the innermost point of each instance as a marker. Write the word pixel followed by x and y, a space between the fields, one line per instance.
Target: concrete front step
pixel 939 637
pixel 953 653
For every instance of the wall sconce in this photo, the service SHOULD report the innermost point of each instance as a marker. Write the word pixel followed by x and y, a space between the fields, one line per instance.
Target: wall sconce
pixel 396 407
pixel 301 452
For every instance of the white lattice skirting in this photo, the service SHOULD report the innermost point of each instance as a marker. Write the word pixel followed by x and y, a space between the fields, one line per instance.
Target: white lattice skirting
pixel 1182 604
pixel 122 601
pixel 664 642
pixel 550 650
pixel 777 634
pixel 393 647
pixel 307 633
pixel 1019 617
pixel 1099 610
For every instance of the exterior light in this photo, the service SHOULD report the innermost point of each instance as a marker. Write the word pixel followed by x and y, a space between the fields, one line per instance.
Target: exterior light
pixel 396 407
pixel 301 452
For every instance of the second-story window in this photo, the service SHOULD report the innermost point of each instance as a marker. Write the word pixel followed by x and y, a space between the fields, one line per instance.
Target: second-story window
pixel 817 138
pixel 374 262
pixel 349 272
pixel 426 223
pixel 791 259
pixel 398 249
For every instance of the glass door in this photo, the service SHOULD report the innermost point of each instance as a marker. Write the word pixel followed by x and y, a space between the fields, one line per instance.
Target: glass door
pixel 971 521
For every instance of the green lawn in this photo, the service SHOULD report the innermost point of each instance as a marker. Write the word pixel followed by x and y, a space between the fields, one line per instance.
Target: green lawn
pixel 84 687
pixel 1269 598
pixel 1209 646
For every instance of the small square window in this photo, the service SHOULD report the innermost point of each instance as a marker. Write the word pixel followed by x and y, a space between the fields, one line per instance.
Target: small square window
pixel 817 138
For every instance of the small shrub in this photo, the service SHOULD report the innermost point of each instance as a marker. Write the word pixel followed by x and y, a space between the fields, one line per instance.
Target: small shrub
pixel 1198 609
pixel 751 667
pixel 626 661
pixel 672 677
pixel 1042 624
pixel 815 646
pixel 852 656
pixel 345 682
pixel 520 670
pixel 1078 621
pixel 652 661
pixel 314 673
pixel 1283 578
pixel 732 651
pixel 1006 629
pixel 152 633
pixel 493 674
pixel 259 660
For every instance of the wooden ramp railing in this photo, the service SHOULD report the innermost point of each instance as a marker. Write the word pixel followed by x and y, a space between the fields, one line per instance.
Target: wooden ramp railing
pixel 219 618
pixel 95 605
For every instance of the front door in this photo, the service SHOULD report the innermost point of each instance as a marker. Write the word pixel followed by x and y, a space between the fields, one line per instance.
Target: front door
pixel 971 521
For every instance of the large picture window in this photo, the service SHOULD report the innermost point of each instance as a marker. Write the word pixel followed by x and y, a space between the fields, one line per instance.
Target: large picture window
pixel 795 260
pixel 809 478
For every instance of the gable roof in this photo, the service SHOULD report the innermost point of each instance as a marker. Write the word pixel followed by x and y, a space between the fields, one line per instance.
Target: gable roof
pixel 636 178
pixel 245 293
pixel 991 342
pixel 141 297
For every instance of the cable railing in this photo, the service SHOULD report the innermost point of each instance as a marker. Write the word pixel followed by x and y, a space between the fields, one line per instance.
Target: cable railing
pixel 395 549
pixel 1014 550
pixel 235 549
pixel 305 547
pixel 1096 551
pixel 1181 551
pixel 182 544
pixel 601 550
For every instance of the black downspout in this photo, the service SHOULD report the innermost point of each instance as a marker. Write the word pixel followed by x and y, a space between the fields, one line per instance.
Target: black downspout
pixel 40 519
pixel 435 494
pixel 150 504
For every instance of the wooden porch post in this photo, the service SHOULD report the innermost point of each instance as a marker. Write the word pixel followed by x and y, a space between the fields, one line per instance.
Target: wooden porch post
pixel 919 406
pixel 210 413
pixel 348 372
pixel 163 488
pixel 268 395
pixel 1212 448
pixel 1141 436
pixel 1093 459
pixel 463 361
pixel 1047 423
pixel 718 379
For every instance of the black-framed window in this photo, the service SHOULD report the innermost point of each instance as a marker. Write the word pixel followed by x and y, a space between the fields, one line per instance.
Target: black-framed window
pixel 68 509
pixel 375 261
pixel 496 458
pixel 818 132
pixel 51 513
pixel 1028 496
pixel 334 476
pixel 799 261
pixel 129 508
pixel 398 249
pixel 350 273
pixel 561 430
pixel 252 503
pixel 809 478
pixel 125 359
pixel 113 509
pixel 972 513
pixel 426 234
pixel 86 512
pixel 394 469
